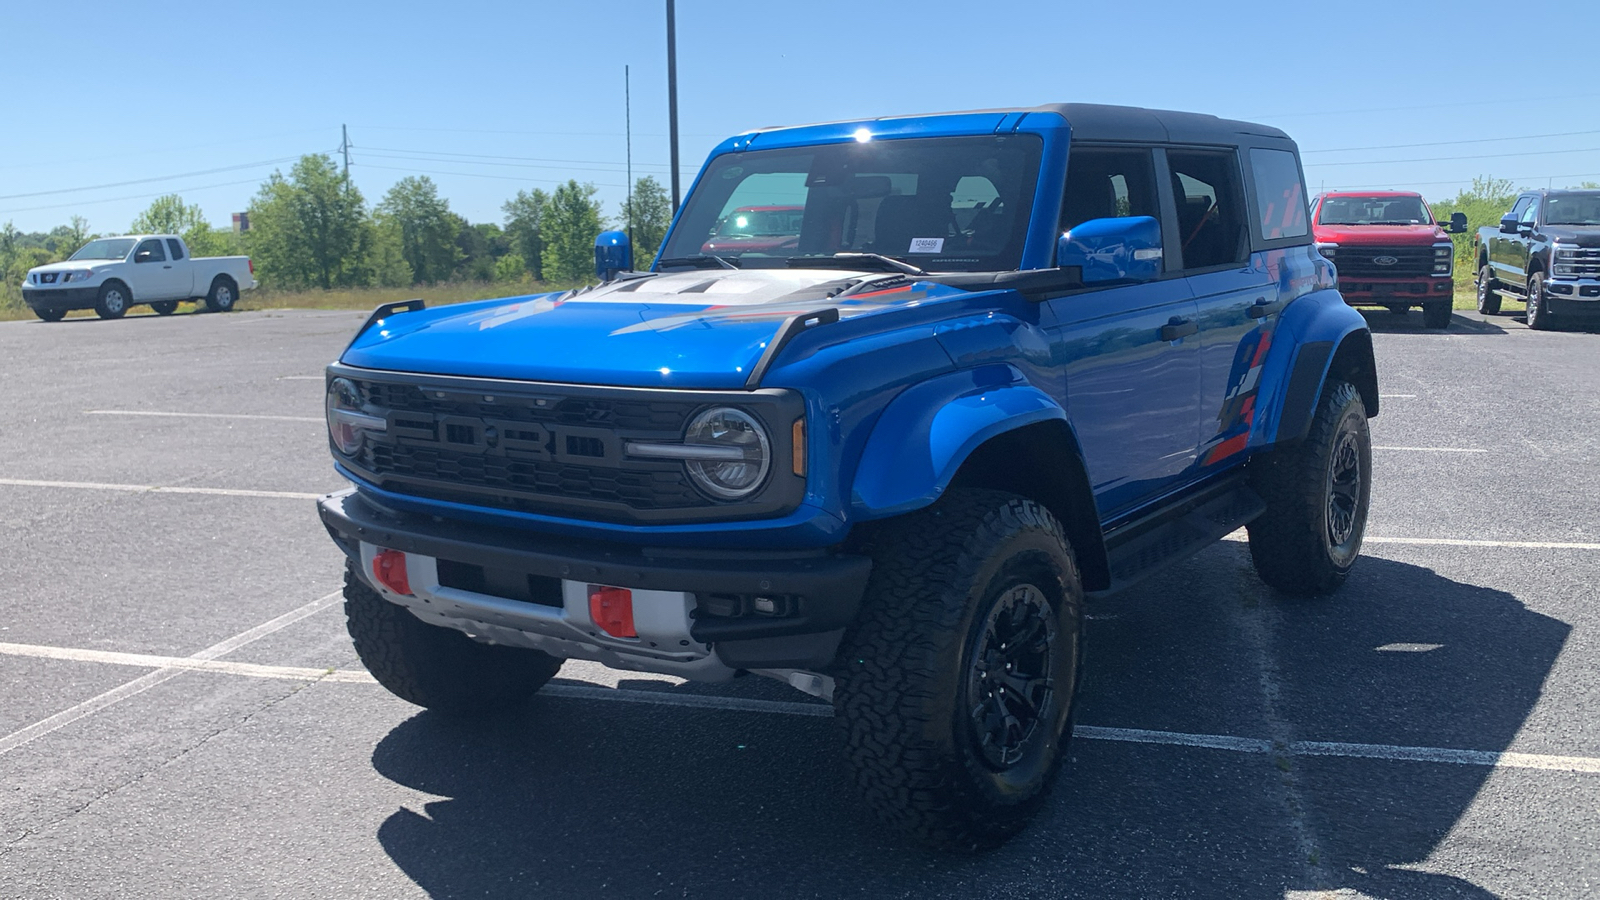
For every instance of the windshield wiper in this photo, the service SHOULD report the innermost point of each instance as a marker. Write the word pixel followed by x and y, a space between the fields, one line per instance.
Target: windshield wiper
pixel 701 261
pixel 854 261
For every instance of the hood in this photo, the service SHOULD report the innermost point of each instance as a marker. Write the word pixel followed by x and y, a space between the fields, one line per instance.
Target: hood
pixel 1386 235
pixel 77 265
pixel 1581 235
pixel 699 329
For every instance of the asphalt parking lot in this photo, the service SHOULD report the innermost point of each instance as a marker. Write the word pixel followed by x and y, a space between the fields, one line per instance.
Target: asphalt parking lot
pixel 183 716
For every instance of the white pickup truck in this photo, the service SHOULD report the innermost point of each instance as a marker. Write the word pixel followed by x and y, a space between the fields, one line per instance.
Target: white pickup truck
pixel 108 275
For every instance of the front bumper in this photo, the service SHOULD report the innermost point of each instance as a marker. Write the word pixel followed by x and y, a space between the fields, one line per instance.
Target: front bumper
pixel 1575 298
pixel 60 298
pixel 1358 291
pixel 820 592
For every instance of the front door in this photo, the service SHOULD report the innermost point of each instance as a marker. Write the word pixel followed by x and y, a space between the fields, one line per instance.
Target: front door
pixel 154 275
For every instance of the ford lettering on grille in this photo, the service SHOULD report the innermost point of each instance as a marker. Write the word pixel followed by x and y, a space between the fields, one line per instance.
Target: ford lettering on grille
pixel 507 438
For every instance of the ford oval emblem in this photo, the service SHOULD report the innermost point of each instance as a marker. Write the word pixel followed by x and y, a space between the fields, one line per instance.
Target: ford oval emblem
pixel 1385 260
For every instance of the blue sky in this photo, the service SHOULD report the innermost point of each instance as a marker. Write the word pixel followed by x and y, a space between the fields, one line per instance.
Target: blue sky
pixel 491 97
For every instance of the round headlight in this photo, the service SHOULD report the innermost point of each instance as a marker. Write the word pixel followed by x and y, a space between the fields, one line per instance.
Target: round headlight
pixel 746 455
pixel 345 418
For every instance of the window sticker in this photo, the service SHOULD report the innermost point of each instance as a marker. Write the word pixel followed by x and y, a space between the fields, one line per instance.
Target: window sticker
pixel 926 245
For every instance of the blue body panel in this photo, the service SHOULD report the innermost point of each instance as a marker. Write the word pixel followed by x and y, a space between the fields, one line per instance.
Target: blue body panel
pixel 910 380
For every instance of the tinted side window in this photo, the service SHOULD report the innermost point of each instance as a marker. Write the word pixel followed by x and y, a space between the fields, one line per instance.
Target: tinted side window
pixel 1107 183
pixel 1520 206
pixel 153 247
pixel 1280 197
pixel 1211 214
pixel 175 247
pixel 1530 214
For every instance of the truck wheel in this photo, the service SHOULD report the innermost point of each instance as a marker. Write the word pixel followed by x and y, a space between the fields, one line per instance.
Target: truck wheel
pixel 165 307
pixel 436 667
pixel 1488 300
pixel 1399 309
pixel 222 295
pixel 1317 494
pixel 113 300
pixel 954 691
pixel 1436 314
pixel 1539 318
pixel 51 315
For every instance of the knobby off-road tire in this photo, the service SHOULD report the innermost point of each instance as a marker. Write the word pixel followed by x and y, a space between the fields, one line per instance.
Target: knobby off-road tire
pixel 113 301
pixel 974 611
pixel 435 667
pixel 1488 300
pixel 1436 314
pixel 1539 318
pixel 223 294
pixel 164 307
pixel 1317 494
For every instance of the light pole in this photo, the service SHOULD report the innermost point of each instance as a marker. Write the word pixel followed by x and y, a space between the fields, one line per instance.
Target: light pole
pixel 672 99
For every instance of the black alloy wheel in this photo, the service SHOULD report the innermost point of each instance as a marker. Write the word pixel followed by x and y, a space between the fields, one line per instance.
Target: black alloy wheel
pixel 1011 684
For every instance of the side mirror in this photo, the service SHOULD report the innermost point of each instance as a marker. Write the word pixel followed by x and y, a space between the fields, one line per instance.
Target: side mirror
pixel 1127 248
pixel 1508 225
pixel 612 254
pixel 1458 223
pixel 142 256
pixel 1524 228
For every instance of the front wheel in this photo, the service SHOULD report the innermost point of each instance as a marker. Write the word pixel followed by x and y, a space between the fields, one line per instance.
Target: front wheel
pixel 113 301
pixel 954 691
pixel 436 667
pixel 1539 318
pixel 51 315
pixel 1488 300
pixel 222 295
pixel 165 307
pixel 1436 314
pixel 1317 494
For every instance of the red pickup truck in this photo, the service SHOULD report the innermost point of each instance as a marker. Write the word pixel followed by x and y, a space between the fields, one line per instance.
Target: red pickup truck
pixel 1389 250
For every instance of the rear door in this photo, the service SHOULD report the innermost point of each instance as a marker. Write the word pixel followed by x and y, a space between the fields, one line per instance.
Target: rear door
pixel 1133 395
pixel 1214 224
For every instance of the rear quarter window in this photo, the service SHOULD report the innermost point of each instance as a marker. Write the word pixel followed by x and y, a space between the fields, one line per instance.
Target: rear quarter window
pixel 1280 196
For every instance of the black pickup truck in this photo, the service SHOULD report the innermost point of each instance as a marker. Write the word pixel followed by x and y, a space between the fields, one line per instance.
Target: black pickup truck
pixel 1545 253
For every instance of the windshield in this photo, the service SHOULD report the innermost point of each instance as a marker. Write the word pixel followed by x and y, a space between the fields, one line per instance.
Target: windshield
pixel 1373 211
pixel 1572 209
pixel 942 204
pixel 105 248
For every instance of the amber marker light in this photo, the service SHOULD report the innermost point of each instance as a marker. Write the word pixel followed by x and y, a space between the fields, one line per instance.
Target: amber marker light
pixel 799 445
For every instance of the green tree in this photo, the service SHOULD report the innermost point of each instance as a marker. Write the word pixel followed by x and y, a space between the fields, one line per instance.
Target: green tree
pixel 511 267
pixel 168 214
pixel 646 215
pixel 524 213
pixel 310 229
pixel 569 224
pixel 1484 203
pixel 426 227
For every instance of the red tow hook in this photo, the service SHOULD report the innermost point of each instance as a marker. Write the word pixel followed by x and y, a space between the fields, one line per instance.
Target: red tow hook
pixel 389 567
pixel 611 608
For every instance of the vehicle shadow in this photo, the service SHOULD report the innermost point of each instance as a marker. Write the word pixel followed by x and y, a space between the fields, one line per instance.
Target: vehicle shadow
pixel 571 797
pixel 1383 321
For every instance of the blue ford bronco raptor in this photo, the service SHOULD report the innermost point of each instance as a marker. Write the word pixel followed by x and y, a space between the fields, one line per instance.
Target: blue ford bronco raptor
pixel 1010 361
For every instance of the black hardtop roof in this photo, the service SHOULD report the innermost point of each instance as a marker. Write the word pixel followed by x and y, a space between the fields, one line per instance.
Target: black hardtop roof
pixel 1100 122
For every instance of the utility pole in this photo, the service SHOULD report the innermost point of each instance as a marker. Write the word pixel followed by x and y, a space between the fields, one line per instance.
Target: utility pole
pixel 672 98
pixel 344 147
pixel 627 128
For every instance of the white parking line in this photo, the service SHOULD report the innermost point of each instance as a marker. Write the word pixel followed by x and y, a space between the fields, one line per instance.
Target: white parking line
pixel 190 415
pixel 1433 449
pixel 301 377
pixel 168 667
pixel 1397 396
pixel 143 683
pixel 157 489
pixel 1241 536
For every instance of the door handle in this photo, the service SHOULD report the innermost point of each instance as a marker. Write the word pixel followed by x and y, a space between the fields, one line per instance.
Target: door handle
pixel 1261 308
pixel 166 267
pixel 1178 327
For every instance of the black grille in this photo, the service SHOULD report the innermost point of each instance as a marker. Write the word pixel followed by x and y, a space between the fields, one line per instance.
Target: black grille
pixel 1384 262
pixel 1585 262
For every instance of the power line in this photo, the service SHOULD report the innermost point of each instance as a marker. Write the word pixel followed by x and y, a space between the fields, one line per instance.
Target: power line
pixel 718 135
pixel 114 184
pixel 445 157
pixel 1342 112
pixel 478 175
pixel 1386 162
pixel 1514 179
pixel 160 151
pixel 104 200
pixel 1520 137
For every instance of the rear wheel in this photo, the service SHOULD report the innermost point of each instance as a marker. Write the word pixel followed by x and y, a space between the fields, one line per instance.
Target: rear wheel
pixel 165 307
pixel 1317 494
pixel 113 300
pixel 1488 300
pixel 1539 318
pixel 436 667
pixel 1399 309
pixel 222 296
pixel 51 315
pixel 955 688
pixel 1436 314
